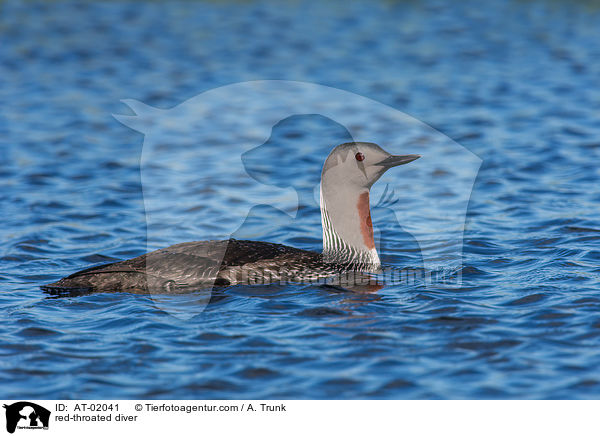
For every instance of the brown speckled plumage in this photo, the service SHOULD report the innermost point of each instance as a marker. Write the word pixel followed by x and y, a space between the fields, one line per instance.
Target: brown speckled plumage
pixel 202 264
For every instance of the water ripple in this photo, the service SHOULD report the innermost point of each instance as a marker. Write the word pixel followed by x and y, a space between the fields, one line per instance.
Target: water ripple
pixel 523 324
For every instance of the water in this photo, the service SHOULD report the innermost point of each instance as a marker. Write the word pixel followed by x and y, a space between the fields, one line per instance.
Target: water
pixel 514 82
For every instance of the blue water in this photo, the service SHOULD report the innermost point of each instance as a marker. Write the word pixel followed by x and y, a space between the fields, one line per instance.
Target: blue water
pixel 514 82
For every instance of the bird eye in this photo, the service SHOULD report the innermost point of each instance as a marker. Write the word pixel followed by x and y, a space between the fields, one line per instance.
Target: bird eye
pixel 359 156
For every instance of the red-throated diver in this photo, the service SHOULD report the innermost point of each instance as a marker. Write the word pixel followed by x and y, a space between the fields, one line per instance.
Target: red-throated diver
pixel 348 244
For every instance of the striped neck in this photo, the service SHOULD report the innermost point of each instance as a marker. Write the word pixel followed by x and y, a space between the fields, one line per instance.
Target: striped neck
pixel 347 228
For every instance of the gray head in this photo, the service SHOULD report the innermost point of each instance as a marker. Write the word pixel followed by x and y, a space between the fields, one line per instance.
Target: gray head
pixel 348 174
pixel 360 164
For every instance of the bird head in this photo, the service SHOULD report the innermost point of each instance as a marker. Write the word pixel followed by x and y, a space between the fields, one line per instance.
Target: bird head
pixel 358 165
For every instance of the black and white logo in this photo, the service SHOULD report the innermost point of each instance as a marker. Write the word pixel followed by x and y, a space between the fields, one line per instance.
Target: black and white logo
pixel 26 415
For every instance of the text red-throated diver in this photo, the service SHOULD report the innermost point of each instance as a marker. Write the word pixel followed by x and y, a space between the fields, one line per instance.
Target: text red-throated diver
pixel 348 244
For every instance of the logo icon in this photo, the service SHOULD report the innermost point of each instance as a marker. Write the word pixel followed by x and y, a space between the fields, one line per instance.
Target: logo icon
pixel 26 415
pixel 269 139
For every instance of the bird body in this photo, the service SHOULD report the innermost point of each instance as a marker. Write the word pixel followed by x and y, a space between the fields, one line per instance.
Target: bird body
pixel 348 244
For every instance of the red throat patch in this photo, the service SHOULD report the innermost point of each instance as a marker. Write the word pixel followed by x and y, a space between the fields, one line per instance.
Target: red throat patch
pixel 364 215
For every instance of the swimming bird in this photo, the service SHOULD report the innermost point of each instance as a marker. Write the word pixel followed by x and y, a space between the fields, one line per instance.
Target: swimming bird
pixel 348 243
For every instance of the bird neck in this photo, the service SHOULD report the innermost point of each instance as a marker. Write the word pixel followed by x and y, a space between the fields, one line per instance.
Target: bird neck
pixel 347 227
